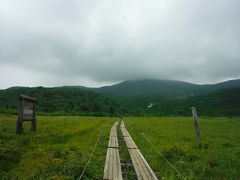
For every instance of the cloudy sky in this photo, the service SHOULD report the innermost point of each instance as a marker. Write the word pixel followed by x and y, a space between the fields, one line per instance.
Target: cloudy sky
pixel 99 42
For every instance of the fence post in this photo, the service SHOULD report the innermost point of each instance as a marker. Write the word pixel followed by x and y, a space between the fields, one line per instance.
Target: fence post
pixel 196 125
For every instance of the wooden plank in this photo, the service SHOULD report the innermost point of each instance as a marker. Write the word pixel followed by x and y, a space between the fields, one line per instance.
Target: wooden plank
pixel 113 133
pixel 113 142
pixel 130 143
pixel 141 167
pixel 112 169
pixel 28 98
pixel 106 168
pixel 122 125
pixel 125 132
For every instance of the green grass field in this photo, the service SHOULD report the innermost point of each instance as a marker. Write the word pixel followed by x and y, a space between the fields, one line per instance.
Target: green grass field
pixel 218 157
pixel 62 146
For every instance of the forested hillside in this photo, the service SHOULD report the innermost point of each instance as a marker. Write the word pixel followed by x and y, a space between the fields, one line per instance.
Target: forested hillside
pixel 169 88
pixel 173 98
pixel 62 100
pixel 224 102
pixel 221 103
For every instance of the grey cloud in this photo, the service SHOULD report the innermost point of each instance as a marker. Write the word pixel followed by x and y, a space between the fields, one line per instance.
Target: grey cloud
pixel 108 41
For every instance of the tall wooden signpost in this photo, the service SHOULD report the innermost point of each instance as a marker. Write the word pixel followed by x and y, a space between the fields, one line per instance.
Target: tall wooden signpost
pixel 26 112
pixel 196 125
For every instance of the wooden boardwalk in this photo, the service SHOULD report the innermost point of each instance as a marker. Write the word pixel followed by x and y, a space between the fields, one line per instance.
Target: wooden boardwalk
pixel 113 132
pixel 130 143
pixel 113 142
pixel 125 132
pixel 112 169
pixel 141 167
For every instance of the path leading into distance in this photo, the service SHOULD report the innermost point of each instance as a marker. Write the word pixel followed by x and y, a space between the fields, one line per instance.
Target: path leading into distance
pixel 112 170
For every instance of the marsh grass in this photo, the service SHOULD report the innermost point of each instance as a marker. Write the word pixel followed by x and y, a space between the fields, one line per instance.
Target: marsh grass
pixel 217 157
pixel 62 145
pixel 59 149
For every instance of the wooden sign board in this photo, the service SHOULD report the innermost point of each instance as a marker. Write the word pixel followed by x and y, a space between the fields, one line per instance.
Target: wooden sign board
pixel 27 112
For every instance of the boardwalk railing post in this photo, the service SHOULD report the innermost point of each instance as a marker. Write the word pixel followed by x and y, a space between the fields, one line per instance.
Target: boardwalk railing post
pixel 196 125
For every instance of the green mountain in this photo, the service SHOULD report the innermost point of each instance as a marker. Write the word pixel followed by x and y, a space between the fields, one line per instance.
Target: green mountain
pixel 164 97
pixel 140 97
pixel 167 88
pixel 59 100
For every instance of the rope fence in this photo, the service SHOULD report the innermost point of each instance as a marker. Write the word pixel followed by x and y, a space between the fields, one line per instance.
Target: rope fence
pixel 94 148
pixel 162 156
pixel 149 142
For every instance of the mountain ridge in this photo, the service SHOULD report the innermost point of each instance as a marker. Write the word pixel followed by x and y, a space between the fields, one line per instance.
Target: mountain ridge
pixel 164 87
pixel 168 97
pixel 161 83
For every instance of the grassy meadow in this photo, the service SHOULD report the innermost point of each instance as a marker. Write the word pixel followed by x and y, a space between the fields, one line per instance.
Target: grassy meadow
pixel 59 149
pixel 62 146
pixel 218 157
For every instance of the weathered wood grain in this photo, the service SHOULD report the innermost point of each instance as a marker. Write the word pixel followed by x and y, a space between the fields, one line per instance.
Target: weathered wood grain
pixel 130 143
pixel 196 124
pixel 122 125
pixel 113 132
pixel 141 167
pixel 125 132
pixel 112 169
pixel 113 142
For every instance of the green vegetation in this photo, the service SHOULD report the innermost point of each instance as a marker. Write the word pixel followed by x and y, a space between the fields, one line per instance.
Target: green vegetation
pixel 217 158
pixel 62 146
pixel 59 101
pixel 168 98
pixel 221 103
pixel 166 88
pixel 59 149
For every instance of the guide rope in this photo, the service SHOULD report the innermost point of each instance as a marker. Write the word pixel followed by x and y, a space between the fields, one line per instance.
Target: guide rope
pixel 89 159
pixel 136 131
pixel 4 173
pixel 162 156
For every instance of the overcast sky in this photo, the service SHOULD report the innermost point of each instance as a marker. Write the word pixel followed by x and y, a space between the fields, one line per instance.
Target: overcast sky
pixel 99 42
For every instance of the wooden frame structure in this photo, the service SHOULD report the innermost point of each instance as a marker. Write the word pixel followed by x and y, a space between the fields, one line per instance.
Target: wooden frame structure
pixel 26 112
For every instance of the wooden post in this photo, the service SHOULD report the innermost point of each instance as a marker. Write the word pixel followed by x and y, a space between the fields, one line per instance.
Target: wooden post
pixel 34 123
pixel 196 125
pixel 19 127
